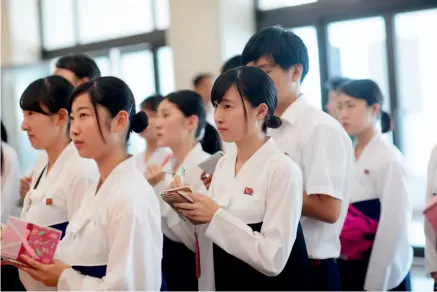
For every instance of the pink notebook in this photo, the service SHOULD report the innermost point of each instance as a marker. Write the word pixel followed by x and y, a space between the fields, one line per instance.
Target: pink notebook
pixel 431 213
pixel 24 238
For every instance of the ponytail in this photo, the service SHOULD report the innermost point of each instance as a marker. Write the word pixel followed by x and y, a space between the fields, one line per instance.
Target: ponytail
pixel 386 122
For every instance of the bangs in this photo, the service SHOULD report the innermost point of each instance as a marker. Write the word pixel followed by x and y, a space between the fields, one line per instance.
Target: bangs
pixel 34 97
pixel 223 83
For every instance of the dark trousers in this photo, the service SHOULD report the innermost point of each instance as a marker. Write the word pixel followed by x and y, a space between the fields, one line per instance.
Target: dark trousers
pixel 353 275
pixel 10 280
pixel 324 275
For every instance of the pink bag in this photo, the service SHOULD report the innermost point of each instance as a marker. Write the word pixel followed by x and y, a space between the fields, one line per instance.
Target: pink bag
pixel 431 213
pixel 357 235
pixel 24 238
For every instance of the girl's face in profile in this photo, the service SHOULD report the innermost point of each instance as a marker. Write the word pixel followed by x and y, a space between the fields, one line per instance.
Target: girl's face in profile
pixel 232 123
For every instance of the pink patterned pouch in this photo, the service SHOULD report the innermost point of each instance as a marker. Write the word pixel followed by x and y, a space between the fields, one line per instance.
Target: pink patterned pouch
pixel 24 238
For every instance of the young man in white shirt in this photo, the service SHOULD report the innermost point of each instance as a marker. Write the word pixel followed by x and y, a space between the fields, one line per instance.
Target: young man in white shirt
pixel 315 141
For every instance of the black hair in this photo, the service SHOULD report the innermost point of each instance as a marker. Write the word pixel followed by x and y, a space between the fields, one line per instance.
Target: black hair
pixel 190 103
pixel 81 65
pixel 52 92
pixel 200 77
pixel 255 86
pixel 283 46
pixel 234 62
pixel 4 135
pixel 113 94
pixel 335 83
pixel 369 91
pixel 152 102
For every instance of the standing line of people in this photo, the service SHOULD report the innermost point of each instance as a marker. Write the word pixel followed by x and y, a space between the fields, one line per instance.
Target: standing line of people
pixel 294 204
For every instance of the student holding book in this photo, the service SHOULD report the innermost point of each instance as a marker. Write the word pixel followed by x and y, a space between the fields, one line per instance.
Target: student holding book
pixel 247 234
pixel 60 180
pixel 430 233
pixel 153 154
pixel 180 126
pixel 114 242
pixel 312 139
pixel 376 254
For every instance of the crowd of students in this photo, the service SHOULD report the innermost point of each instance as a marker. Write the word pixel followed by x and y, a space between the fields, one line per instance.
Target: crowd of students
pixel 292 205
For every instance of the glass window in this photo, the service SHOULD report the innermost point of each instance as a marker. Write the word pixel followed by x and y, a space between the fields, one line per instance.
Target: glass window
pixel 104 64
pixel 311 84
pixel 416 62
pixel 57 24
pixel 108 19
pixel 357 49
pixel 166 70
pixel 275 4
pixel 162 14
pixel 137 72
pixel 14 82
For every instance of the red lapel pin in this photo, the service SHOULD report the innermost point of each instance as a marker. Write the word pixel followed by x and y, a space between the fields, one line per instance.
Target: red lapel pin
pixel 49 201
pixel 366 172
pixel 248 191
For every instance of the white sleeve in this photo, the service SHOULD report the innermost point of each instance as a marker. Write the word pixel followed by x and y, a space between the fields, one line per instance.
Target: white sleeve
pixel 266 251
pixel 135 255
pixel 430 234
pixel 393 227
pixel 326 156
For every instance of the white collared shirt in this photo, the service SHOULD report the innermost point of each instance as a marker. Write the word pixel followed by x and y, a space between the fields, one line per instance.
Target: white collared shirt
pixel 119 226
pixel 380 173
pixel 323 151
pixel 430 234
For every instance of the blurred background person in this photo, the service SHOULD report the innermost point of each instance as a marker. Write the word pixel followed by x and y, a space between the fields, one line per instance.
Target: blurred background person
pixel 333 87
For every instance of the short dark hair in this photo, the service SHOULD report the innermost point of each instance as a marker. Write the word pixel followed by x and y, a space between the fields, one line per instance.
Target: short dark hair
pixel 190 103
pixel 81 65
pixel 282 45
pixel 52 92
pixel 254 85
pixel 115 95
pixel 152 102
pixel 200 77
pixel 234 62
pixel 4 133
pixel 369 91
pixel 335 83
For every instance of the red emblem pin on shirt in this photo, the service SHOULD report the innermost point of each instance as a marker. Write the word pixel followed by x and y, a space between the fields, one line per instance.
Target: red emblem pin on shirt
pixel 49 201
pixel 248 191
pixel 366 172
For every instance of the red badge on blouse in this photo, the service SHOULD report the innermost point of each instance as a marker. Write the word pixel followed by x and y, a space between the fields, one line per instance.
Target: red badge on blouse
pixel 248 191
pixel 49 201
pixel 366 172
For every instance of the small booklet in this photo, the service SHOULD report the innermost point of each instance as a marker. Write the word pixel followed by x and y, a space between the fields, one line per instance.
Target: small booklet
pixel 24 238
pixel 177 195
pixel 431 213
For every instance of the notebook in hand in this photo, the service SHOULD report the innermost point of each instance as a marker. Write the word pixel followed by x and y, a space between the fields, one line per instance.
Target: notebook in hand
pixel 24 238
pixel 431 213
pixel 177 195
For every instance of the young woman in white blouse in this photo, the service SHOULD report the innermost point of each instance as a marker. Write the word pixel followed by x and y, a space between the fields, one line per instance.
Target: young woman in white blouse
pixel 153 154
pixel 114 241
pixel 376 254
pixel 180 126
pixel 247 234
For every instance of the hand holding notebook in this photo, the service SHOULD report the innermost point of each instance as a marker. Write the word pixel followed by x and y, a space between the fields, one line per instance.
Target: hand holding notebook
pixel 31 240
